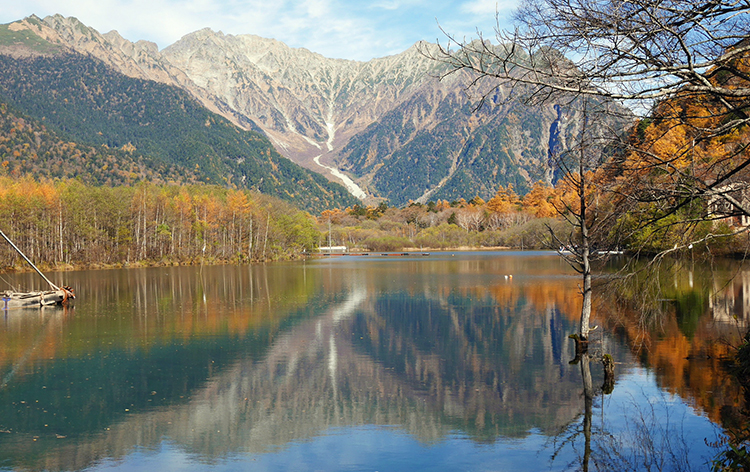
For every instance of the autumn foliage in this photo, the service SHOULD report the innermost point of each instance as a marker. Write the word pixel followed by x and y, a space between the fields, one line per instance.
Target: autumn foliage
pixel 68 223
pixel 506 219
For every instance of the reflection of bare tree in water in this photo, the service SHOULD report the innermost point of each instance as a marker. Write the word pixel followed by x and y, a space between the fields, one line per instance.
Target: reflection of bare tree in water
pixel 571 433
pixel 650 442
pixel 588 402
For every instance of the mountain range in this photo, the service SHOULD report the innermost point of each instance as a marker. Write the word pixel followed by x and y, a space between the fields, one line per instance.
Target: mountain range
pixel 388 129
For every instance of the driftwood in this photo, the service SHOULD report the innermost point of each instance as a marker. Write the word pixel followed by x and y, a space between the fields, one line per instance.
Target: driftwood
pixel 64 296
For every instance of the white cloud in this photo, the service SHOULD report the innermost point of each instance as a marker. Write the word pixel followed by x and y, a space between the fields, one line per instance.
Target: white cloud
pixel 335 28
pixel 394 5
pixel 487 7
pixel 316 9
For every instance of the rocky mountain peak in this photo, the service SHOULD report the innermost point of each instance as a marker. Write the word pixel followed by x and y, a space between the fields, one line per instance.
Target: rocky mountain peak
pixel 397 131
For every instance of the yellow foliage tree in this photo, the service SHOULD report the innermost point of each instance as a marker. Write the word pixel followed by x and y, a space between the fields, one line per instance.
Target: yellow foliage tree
pixel 505 200
pixel 538 201
pixel 334 216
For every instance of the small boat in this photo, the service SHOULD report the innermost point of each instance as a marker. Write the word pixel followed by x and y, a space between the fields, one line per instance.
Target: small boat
pixel 60 296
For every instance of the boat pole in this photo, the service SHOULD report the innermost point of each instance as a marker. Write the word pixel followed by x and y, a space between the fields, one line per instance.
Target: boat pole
pixel 30 263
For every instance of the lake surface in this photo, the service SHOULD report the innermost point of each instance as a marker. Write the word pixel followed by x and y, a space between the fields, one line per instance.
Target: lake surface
pixel 452 361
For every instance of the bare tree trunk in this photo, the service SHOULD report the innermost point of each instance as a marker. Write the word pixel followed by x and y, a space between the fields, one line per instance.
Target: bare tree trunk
pixel 265 239
pixel 60 229
pixel 237 244
pixel 143 230
pixel 583 331
pixel 586 308
pixel 250 242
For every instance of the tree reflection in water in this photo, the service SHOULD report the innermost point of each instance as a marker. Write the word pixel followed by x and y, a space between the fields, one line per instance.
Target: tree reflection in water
pixel 652 440
pixel 261 363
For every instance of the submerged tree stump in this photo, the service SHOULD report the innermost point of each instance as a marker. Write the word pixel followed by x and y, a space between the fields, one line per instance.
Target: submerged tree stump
pixel 582 346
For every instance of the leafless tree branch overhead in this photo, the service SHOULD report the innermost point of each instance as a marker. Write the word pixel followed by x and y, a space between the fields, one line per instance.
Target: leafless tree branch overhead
pixel 637 50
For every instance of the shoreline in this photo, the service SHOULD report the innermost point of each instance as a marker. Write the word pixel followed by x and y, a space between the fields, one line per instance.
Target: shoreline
pixel 67 267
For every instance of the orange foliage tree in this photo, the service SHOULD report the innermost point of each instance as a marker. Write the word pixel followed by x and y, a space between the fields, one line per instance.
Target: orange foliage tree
pixel 538 202
pixel 504 201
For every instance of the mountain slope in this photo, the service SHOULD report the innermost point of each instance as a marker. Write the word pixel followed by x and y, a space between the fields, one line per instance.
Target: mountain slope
pixel 401 133
pixel 88 102
pixel 388 123
pixel 28 147
pixel 437 146
pixel 307 103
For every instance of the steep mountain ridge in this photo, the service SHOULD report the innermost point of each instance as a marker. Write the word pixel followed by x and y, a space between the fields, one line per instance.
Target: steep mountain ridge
pixel 389 123
pixel 139 60
pixel 307 103
pixel 159 132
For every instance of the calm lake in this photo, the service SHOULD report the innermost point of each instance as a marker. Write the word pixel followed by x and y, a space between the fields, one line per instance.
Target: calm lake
pixel 451 361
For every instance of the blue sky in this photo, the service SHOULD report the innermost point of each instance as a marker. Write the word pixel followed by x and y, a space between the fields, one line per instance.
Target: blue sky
pixel 357 30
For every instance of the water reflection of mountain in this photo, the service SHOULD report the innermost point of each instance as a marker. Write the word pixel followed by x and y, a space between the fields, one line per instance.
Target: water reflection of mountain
pixel 428 360
pixel 486 370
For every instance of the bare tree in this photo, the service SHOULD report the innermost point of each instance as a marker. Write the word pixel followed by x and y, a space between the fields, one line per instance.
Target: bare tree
pixel 650 54
pixel 684 64
pixel 591 218
pixel 637 51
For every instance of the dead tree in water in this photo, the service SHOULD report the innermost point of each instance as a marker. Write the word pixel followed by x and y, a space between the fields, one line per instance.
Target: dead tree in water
pixel 580 205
